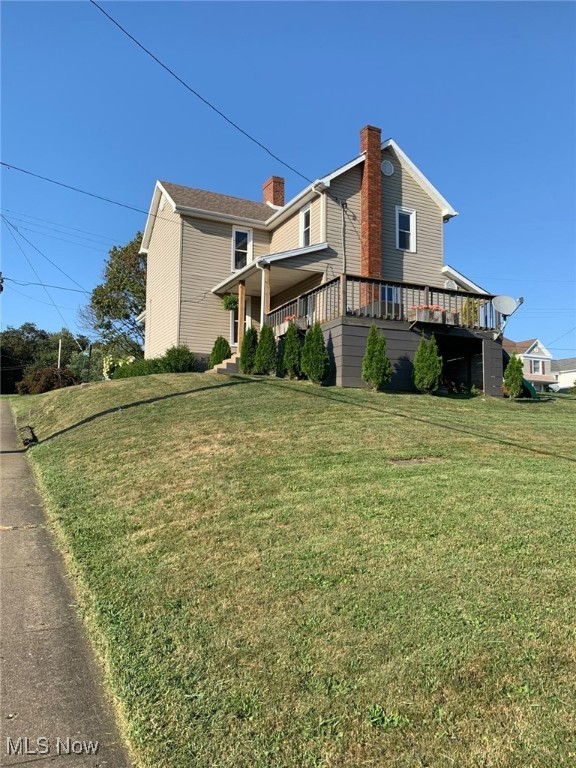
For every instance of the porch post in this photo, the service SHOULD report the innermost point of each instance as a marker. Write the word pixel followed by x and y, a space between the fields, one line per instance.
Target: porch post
pixel 241 310
pixel 266 297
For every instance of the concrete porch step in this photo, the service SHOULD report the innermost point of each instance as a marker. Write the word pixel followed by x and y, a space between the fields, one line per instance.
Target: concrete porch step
pixel 231 365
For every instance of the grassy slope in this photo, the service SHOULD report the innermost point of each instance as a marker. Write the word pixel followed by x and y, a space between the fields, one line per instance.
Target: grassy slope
pixel 274 585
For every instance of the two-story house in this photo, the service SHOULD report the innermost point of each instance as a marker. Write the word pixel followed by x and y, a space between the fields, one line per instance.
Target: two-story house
pixel 564 371
pixel 362 244
pixel 537 361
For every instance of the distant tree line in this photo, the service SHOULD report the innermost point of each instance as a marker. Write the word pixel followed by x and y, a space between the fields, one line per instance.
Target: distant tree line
pixel 109 319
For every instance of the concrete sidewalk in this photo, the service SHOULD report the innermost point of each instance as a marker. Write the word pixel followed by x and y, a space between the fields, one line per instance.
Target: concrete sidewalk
pixel 51 696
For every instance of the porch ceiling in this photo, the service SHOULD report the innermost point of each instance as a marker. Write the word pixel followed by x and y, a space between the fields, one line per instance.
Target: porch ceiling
pixel 281 279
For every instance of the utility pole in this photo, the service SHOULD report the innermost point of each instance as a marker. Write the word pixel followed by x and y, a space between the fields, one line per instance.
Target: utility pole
pixel 59 351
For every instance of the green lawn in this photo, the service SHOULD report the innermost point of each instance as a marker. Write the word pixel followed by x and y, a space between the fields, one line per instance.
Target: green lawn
pixel 278 575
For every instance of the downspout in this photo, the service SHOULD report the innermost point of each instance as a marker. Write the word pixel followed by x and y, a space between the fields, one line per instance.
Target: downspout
pixel 344 207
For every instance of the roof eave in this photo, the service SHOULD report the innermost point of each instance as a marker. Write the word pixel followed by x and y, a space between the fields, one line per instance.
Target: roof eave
pixel 448 212
pixel 186 210
pixel 153 214
pixel 453 274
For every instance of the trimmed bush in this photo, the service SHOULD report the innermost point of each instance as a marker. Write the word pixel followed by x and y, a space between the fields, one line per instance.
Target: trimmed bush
pixel 376 367
pixel 291 352
pixel 220 351
pixel 513 376
pixel 427 366
pixel 139 368
pixel 248 350
pixel 178 360
pixel 266 352
pixel 45 380
pixel 315 360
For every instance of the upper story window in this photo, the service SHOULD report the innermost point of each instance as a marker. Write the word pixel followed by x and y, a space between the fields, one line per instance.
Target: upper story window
pixel 536 366
pixel 305 227
pixel 405 229
pixel 241 248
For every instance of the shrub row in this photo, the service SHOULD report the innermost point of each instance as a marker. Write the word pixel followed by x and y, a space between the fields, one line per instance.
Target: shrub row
pixel 175 360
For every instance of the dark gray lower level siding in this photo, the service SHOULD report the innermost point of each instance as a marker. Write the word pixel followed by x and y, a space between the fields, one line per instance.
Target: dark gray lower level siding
pixel 493 366
pixel 346 341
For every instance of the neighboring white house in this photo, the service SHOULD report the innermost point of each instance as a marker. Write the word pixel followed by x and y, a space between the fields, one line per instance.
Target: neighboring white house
pixel 537 361
pixel 565 372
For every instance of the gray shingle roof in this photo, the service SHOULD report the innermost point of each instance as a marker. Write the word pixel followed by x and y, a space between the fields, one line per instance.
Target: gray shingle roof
pixel 565 364
pixel 217 203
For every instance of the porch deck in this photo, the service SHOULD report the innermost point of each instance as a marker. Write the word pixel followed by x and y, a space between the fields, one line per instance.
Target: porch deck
pixel 351 295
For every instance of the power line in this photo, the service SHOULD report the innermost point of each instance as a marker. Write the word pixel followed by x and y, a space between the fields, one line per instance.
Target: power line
pixel 103 247
pixel 38 278
pixel 49 260
pixel 16 214
pixel 74 189
pixel 563 335
pixel 33 298
pixel 199 96
pixel 44 285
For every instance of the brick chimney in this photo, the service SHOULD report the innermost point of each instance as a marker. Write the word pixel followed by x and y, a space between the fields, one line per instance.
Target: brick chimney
pixel 273 190
pixel 371 207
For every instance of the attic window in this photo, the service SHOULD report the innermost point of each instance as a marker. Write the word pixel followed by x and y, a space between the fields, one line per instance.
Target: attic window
pixel 405 229
pixel 241 248
pixel 305 227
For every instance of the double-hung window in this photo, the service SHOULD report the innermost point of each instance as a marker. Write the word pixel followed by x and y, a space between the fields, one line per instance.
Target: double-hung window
pixel 536 366
pixel 305 227
pixel 241 248
pixel 405 229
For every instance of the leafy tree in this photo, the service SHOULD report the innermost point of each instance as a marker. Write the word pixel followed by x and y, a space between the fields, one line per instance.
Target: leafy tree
pixel 248 350
pixel 28 348
pixel 376 367
pixel 513 376
pixel 220 351
pixel 292 352
pixel 116 302
pixel 88 365
pixel 266 352
pixel 315 360
pixel 18 349
pixel 427 366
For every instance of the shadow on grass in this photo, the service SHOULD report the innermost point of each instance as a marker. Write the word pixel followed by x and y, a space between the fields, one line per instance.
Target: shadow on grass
pixel 330 395
pixel 136 403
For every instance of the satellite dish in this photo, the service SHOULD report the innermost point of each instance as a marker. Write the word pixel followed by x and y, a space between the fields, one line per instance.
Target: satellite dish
pixel 387 168
pixel 506 305
pixel 451 285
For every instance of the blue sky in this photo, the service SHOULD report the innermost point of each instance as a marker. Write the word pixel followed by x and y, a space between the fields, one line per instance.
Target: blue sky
pixel 481 96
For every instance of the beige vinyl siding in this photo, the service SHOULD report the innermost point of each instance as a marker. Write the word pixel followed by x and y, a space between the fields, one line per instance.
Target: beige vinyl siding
pixel 206 261
pixel 163 284
pixel 346 188
pixel 313 281
pixel 424 266
pixel 260 243
pixel 287 236
pixel 255 312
